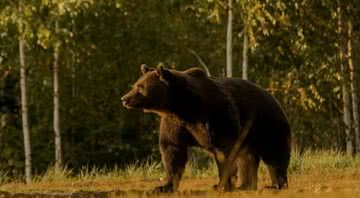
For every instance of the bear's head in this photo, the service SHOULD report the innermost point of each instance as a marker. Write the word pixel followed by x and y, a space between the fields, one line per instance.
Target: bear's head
pixel 158 90
pixel 148 92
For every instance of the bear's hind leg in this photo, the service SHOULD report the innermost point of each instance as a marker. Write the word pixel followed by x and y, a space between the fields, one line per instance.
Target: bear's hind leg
pixel 248 165
pixel 278 175
pixel 231 182
pixel 277 167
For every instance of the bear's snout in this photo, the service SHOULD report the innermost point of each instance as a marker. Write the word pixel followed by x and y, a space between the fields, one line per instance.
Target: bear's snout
pixel 125 101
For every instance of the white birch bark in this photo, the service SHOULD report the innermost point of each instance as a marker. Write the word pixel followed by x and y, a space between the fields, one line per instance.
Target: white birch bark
pixel 57 132
pixel 245 52
pixel 229 67
pixel 345 90
pixel 24 105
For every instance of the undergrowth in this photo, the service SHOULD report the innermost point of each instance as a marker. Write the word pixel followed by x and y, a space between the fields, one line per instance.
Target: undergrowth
pixel 301 163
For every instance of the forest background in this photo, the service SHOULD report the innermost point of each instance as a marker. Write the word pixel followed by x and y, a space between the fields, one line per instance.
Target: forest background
pixel 65 64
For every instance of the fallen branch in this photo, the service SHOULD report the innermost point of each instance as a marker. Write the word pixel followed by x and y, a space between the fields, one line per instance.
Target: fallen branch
pixel 200 61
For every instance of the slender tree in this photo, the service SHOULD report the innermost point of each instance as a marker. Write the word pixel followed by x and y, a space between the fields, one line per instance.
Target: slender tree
pixel 354 97
pixel 344 86
pixel 24 105
pixel 229 40
pixel 245 32
pixel 245 52
pixel 57 133
pixel 2 126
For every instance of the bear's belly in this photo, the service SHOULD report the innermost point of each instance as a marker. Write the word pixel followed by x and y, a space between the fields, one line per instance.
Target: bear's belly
pixel 199 131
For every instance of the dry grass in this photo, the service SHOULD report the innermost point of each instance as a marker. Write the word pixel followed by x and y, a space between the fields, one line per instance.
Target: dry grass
pixel 315 174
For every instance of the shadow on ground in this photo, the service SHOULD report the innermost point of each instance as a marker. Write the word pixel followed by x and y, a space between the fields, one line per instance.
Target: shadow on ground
pixel 318 192
pixel 99 194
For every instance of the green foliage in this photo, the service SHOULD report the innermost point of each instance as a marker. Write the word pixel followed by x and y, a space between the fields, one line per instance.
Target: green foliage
pixel 55 174
pixel 4 176
pixel 324 161
pixel 146 170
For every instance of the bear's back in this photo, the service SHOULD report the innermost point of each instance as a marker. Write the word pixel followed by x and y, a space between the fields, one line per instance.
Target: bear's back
pixel 251 99
pixel 271 133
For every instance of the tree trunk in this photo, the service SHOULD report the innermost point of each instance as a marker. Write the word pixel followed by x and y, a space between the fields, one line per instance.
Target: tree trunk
pixel 24 106
pixel 354 98
pixel 2 122
pixel 57 133
pixel 347 114
pixel 2 127
pixel 245 52
pixel 229 41
pixel 345 93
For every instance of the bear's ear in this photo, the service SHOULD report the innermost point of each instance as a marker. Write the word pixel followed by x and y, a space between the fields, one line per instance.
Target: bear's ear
pixel 144 68
pixel 164 73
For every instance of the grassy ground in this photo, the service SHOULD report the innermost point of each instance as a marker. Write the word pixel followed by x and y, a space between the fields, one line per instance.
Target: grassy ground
pixel 311 174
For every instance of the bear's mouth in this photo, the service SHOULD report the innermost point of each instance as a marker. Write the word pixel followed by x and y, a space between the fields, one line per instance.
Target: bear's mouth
pixel 127 105
pixel 131 105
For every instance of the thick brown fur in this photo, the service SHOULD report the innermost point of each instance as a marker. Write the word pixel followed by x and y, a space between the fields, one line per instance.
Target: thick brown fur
pixel 197 110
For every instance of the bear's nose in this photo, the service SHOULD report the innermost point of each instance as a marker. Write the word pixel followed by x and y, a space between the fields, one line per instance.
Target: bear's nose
pixel 123 99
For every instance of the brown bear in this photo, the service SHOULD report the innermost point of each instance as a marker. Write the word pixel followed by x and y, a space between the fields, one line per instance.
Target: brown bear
pixel 209 112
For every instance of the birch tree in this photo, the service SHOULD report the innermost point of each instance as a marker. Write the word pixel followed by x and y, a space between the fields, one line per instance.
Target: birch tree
pixel 344 86
pixel 255 20
pixel 24 104
pixel 56 122
pixel 229 66
pixel 353 88
pixel 245 49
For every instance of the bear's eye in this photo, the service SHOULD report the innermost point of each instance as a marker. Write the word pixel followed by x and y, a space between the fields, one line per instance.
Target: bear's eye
pixel 140 87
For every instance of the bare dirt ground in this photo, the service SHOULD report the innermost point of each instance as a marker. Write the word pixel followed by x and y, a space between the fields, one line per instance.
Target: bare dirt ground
pixel 317 184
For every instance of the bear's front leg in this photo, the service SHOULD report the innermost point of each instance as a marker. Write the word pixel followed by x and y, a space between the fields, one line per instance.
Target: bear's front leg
pixel 174 140
pixel 174 159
